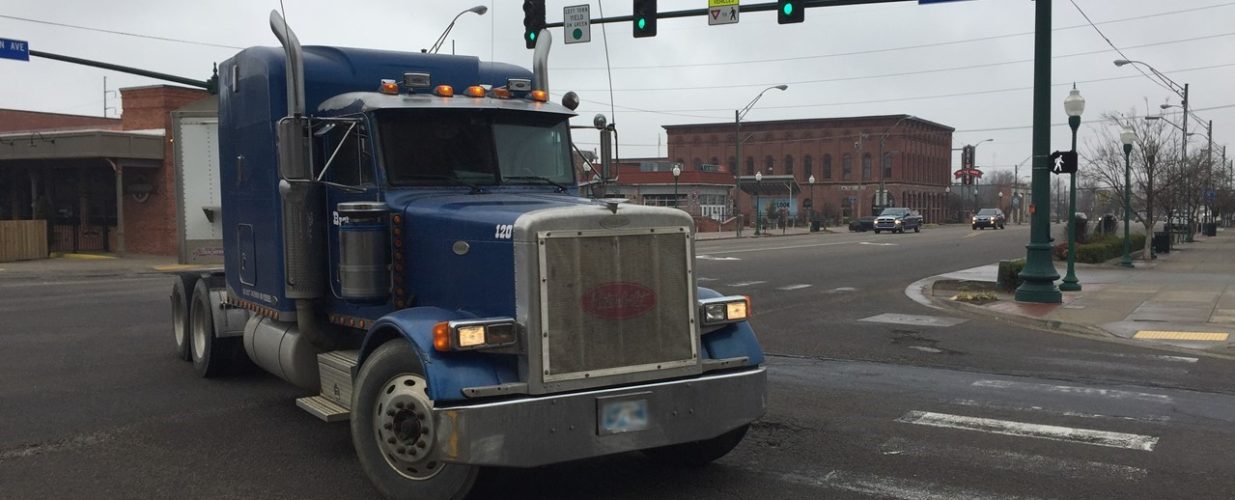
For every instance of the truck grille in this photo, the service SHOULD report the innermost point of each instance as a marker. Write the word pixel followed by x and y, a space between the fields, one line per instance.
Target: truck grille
pixel 615 303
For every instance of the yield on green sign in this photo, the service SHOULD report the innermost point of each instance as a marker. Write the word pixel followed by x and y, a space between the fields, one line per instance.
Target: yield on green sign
pixel 577 23
pixel 723 12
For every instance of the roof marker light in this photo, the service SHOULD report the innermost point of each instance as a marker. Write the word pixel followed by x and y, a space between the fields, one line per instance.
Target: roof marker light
pixel 444 91
pixel 501 93
pixel 475 91
pixel 389 87
pixel 540 96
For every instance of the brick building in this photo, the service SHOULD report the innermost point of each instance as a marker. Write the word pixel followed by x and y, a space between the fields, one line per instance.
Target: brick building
pixel 849 158
pixel 102 183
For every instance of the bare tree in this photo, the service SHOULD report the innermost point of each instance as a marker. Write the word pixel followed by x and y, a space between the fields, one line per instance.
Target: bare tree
pixel 1154 167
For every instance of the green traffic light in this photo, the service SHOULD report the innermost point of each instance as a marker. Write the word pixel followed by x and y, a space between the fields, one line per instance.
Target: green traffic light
pixel 531 35
pixel 643 22
pixel 788 9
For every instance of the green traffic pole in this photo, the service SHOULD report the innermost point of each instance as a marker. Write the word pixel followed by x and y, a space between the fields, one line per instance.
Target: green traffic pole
pixel 1039 274
pixel 1070 283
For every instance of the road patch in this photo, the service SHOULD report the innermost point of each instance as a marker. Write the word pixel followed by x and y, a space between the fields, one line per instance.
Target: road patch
pixel 1021 429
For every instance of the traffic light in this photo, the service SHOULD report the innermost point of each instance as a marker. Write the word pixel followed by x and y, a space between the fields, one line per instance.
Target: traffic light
pixel 644 18
pixel 790 11
pixel 533 21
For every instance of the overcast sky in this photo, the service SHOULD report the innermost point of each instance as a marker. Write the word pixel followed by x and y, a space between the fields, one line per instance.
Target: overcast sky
pixel 965 64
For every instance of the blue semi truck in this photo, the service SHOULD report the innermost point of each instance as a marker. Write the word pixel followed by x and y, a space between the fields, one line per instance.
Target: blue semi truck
pixel 405 239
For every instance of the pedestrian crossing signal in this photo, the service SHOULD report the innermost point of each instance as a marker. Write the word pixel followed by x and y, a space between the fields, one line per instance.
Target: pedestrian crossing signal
pixel 533 21
pixel 644 17
pixel 790 11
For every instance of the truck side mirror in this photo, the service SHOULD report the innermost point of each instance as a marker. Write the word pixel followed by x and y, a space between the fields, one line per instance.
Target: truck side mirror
pixel 293 143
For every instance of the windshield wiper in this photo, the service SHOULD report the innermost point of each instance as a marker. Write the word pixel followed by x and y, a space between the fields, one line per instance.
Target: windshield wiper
pixel 475 188
pixel 560 188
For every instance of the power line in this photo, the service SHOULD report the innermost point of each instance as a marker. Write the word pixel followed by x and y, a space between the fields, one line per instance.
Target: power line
pixel 1112 44
pixel 907 73
pixel 121 33
pixel 884 50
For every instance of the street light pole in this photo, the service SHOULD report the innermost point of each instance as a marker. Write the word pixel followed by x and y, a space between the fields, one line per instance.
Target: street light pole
pixel 1074 106
pixel 1182 92
pixel 1127 136
pixel 758 188
pixel 479 10
pixel 737 153
pixel 677 172
pixel 811 181
pixel 1039 274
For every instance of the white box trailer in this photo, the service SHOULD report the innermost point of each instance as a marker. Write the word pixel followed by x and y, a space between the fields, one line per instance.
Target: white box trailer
pixel 199 222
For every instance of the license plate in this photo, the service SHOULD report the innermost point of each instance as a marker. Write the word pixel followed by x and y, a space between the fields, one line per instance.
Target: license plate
pixel 626 415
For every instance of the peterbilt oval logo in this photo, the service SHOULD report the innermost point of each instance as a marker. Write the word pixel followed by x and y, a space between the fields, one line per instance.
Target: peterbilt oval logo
pixel 619 300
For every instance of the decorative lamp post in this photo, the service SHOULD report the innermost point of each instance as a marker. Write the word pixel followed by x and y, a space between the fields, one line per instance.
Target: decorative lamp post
pixel 677 172
pixel 1127 136
pixel 1001 200
pixel 738 114
pixel 1074 106
pixel 587 174
pixel 811 181
pixel 758 188
pixel 947 198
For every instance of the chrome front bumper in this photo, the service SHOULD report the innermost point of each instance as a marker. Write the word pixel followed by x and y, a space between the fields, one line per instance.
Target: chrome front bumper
pixel 534 431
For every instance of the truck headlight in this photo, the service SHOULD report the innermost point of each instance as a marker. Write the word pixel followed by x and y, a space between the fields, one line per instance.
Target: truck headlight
pixel 898 221
pixel 722 310
pixel 466 335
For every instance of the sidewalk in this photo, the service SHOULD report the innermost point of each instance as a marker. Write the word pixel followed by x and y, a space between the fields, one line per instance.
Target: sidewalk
pixel 86 265
pixel 1184 299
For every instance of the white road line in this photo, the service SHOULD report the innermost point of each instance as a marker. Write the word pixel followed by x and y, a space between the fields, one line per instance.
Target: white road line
pixel 704 279
pixel 745 283
pixel 787 247
pixel 913 319
pixel 1012 460
pixel 843 289
pixel 794 287
pixel 1157 357
pixel 923 348
pixel 1110 393
pixel 890 487
pixel 1067 413
pixel 877 244
pixel 709 257
pixel 1039 431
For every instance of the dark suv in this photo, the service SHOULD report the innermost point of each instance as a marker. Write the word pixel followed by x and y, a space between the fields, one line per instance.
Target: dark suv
pixel 897 220
pixel 988 217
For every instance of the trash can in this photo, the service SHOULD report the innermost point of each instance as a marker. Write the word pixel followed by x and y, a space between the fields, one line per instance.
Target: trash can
pixel 1162 242
pixel 1079 221
pixel 814 226
pixel 1211 229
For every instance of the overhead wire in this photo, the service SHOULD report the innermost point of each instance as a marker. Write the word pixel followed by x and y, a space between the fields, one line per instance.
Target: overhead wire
pixel 121 33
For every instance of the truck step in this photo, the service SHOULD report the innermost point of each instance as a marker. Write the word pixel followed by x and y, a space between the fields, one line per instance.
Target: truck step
pixel 324 409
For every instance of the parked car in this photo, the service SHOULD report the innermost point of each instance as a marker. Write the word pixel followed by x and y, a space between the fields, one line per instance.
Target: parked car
pixel 988 217
pixel 897 220
pixel 862 224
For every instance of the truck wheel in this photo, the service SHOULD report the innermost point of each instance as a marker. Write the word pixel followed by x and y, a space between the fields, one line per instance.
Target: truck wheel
pixel 393 429
pixel 917 229
pixel 698 453
pixel 182 291
pixel 212 356
pixel 876 231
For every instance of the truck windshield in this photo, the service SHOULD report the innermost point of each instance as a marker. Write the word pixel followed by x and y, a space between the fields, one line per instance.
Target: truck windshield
pixel 474 147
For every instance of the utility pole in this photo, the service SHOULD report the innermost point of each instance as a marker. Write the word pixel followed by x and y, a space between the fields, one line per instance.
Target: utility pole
pixel 1188 182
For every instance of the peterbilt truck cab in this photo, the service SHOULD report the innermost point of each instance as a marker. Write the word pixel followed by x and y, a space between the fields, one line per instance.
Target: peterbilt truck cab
pixel 405 239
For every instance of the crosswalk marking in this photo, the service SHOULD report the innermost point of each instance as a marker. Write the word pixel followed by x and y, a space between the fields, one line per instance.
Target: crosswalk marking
pixel 890 487
pixel 745 283
pixel 794 287
pixel 1067 413
pixel 1110 393
pixel 1022 429
pixel 709 257
pixel 1013 460
pixel 913 319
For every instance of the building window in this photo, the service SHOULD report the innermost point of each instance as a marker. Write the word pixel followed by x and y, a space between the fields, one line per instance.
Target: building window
pixel 866 167
pixel 714 161
pixel 698 164
pixel 846 167
pixel 808 168
pixel 769 164
pixel 733 164
pixel 887 165
pixel 750 166
pixel 788 165
pixel 827 167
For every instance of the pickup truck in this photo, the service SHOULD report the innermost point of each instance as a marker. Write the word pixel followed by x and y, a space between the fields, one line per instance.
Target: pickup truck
pixel 897 220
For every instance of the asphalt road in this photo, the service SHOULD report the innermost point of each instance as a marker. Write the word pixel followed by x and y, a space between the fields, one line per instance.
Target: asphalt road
pixel 95 405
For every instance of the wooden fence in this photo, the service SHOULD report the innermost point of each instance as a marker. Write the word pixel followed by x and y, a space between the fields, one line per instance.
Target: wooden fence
pixel 23 240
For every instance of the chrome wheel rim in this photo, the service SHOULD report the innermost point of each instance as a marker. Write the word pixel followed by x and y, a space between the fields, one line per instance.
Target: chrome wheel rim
pixel 178 319
pixel 199 333
pixel 403 427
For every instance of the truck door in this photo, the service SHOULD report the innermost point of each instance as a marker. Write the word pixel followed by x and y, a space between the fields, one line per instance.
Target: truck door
pixel 345 152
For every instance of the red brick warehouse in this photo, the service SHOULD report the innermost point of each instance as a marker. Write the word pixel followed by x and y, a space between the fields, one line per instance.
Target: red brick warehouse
pixel 850 158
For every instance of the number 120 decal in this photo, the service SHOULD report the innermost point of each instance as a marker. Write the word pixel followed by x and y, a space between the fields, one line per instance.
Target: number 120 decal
pixel 504 231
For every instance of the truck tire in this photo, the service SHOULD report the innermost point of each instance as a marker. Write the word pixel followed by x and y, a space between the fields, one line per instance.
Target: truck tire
pixel 917 228
pixel 698 453
pixel 393 429
pixel 212 356
pixel 182 292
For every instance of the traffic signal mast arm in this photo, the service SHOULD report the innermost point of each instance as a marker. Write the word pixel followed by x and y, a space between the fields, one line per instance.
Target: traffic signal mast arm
pixel 806 4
